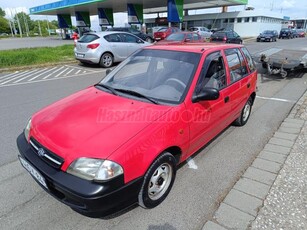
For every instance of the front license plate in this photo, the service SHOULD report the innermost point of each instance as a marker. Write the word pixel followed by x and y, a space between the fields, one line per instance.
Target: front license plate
pixel 33 172
pixel 80 55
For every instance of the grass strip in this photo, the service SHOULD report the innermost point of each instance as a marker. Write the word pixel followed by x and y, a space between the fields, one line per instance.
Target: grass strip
pixel 36 56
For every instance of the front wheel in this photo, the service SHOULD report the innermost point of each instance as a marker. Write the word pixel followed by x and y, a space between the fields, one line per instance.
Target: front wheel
pixel 149 39
pixel 106 60
pixel 158 181
pixel 245 114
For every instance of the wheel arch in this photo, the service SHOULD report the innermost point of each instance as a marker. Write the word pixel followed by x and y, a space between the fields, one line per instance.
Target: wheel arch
pixel 253 97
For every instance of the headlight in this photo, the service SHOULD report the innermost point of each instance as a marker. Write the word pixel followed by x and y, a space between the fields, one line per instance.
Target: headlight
pixel 95 169
pixel 27 130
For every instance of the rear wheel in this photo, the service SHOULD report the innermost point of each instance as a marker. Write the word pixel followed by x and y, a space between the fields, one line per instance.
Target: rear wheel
pixel 106 60
pixel 244 116
pixel 158 181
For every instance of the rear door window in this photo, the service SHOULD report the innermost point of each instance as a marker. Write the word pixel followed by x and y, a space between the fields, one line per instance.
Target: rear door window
pixel 113 38
pixel 236 64
pixel 88 38
pixel 250 61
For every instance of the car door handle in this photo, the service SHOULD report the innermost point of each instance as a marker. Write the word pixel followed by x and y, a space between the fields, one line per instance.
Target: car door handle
pixel 248 85
pixel 226 99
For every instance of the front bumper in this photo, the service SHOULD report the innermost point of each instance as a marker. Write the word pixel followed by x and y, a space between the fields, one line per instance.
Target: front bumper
pixel 86 197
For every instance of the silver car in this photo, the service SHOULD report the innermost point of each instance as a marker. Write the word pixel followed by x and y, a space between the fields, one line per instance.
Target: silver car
pixel 204 32
pixel 105 48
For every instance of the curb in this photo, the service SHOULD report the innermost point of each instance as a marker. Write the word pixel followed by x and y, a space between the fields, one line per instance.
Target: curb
pixel 241 206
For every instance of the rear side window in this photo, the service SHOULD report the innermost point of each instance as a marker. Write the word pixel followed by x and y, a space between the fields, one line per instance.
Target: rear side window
pixel 129 38
pixel 236 64
pixel 112 38
pixel 250 62
pixel 88 38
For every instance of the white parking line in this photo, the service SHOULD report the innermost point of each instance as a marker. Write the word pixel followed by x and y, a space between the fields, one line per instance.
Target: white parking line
pixel 12 79
pixel 191 163
pixel 60 73
pixel 276 99
pixel 39 71
pixel 5 76
pixel 78 71
pixel 53 72
pixel 69 72
pixel 48 70
pixel 14 75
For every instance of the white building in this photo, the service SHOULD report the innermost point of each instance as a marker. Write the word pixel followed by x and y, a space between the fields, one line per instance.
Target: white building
pixel 245 23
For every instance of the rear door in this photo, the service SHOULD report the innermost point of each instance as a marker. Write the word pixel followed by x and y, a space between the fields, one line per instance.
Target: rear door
pixel 131 42
pixel 238 89
pixel 116 46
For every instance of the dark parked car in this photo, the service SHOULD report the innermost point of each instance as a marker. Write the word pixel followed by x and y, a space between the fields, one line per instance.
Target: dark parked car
pixel 285 33
pixel 133 31
pixel 268 35
pixel 226 36
pixel 295 33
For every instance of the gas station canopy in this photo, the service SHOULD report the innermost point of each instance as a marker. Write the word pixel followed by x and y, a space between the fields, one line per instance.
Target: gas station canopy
pixel 149 6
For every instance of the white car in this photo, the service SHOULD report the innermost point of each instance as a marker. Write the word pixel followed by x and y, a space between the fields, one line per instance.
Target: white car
pixel 204 32
pixel 106 48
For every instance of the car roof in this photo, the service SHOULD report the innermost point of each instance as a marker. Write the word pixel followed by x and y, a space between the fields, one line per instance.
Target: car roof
pixel 193 47
pixel 103 33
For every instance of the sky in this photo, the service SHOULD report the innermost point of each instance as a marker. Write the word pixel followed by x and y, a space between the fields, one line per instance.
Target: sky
pixel 295 9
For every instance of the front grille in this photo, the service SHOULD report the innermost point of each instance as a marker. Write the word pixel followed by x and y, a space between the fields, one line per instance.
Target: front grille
pixel 46 155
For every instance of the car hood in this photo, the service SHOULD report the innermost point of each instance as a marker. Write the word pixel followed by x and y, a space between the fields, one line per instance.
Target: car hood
pixel 92 123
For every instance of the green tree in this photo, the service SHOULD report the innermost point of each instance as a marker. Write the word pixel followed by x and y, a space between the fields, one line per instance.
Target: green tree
pixel 25 21
pixel 2 13
pixel 4 25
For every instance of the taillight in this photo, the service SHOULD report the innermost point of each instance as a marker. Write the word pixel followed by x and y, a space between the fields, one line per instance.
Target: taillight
pixel 93 46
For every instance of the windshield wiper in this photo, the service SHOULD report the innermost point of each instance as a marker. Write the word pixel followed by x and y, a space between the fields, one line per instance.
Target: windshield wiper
pixel 108 88
pixel 137 94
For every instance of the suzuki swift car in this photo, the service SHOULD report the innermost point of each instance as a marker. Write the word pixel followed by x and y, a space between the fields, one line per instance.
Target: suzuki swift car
pixel 119 142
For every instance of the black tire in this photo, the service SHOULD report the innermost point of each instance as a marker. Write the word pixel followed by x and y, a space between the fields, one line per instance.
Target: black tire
pixel 106 60
pixel 245 114
pixel 158 181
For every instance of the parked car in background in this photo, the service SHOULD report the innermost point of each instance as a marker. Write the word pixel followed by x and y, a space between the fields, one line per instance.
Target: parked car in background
pixel 226 36
pixel 295 33
pixel 181 37
pixel 164 32
pixel 268 36
pixel 145 37
pixel 120 142
pixel 301 33
pixel 285 33
pixel 105 48
pixel 204 32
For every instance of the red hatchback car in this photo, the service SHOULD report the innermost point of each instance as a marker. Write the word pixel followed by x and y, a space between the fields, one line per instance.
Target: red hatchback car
pixel 164 32
pixel 120 141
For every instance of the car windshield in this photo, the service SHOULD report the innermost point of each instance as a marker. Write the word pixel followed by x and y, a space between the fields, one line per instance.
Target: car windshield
pixel 175 37
pixel 157 75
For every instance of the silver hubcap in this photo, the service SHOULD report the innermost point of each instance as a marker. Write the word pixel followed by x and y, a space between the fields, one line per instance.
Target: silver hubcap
pixel 246 111
pixel 107 60
pixel 160 181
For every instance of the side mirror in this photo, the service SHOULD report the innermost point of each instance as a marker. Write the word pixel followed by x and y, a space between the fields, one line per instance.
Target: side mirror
pixel 139 41
pixel 108 71
pixel 206 94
